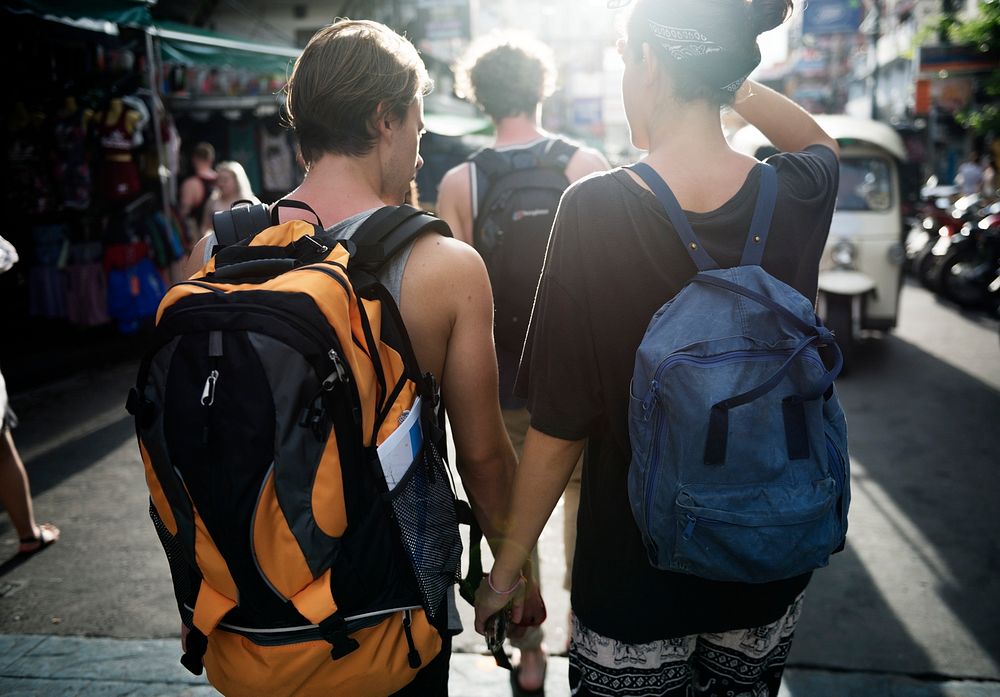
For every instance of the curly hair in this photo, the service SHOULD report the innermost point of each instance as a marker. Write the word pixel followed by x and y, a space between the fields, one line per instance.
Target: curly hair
pixel 506 74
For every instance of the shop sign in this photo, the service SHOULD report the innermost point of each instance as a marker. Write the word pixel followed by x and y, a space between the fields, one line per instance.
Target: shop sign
pixel 950 95
pixel 832 17
pixel 442 20
pixel 943 61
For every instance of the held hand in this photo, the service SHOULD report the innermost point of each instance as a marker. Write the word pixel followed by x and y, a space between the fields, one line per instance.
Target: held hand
pixel 533 612
pixel 489 602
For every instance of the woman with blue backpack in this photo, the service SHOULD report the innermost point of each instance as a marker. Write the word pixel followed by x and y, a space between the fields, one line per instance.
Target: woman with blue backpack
pixel 673 333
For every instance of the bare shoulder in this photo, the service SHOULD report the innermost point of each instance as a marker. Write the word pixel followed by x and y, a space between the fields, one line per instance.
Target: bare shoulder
pixel 455 183
pixel 586 160
pixel 443 262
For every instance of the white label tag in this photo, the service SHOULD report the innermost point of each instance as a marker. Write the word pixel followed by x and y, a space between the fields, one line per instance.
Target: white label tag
pixel 398 451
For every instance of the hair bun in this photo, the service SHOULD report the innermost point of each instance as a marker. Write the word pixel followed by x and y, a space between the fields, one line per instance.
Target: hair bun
pixel 765 15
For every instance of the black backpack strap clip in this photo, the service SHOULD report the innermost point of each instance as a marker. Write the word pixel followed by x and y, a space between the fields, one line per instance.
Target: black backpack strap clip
pixel 334 631
pixel 196 645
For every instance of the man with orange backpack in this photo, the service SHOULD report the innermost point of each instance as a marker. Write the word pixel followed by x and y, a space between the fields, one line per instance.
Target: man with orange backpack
pixel 288 414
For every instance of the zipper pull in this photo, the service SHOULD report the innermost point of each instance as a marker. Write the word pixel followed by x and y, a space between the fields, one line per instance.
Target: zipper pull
pixel 413 657
pixel 339 373
pixel 208 392
pixel 651 396
pixel 689 528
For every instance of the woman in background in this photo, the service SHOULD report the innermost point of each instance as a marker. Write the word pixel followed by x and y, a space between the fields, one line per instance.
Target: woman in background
pixel 232 185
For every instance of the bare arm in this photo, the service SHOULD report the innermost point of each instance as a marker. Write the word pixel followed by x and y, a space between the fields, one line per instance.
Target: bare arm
pixel 545 469
pixel 191 193
pixel 454 204
pixel 787 125
pixel 486 459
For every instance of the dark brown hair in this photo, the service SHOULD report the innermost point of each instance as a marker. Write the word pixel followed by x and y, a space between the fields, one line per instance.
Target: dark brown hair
pixel 347 72
pixel 506 75
pixel 732 25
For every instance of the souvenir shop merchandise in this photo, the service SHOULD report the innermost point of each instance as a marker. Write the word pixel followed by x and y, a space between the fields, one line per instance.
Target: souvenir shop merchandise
pixel 71 168
pixel 115 128
pixel 28 188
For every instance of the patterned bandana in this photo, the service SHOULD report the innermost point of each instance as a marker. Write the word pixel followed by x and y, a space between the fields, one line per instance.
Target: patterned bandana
pixel 712 60
pixel 683 44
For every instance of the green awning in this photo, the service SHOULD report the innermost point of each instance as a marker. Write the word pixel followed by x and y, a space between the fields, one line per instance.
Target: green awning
pixel 186 45
pixel 124 12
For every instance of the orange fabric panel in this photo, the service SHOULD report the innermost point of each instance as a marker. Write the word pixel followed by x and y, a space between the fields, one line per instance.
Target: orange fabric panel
pixel 278 552
pixel 283 234
pixel 328 492
pixel 210 607
pixel 163 508
pixel 315 602
pixel 213 567
pixel 392 363
pixel 237 666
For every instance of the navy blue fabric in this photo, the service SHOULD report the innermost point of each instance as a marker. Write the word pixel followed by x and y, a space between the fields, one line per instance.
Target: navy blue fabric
pixel 760 226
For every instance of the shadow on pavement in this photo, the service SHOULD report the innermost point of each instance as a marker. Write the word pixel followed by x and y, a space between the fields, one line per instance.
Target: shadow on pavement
pixel 917 589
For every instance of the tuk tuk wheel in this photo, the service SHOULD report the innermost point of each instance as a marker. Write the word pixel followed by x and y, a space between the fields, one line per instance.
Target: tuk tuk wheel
pixel 840 322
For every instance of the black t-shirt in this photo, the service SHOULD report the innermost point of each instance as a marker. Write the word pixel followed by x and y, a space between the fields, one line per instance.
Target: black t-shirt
pixel 613 260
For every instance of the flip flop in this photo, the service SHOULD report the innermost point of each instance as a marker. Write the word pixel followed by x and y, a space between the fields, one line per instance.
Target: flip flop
pixel 48 534
pixel 518 691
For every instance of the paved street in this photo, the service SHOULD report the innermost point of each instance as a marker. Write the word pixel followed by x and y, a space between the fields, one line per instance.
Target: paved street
pixel 912 607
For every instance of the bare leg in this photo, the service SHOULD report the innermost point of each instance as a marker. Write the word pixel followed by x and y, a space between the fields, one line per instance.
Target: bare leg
pixel 15 495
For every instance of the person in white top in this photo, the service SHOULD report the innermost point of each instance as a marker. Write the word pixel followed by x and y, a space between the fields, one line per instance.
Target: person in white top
pixel 969 179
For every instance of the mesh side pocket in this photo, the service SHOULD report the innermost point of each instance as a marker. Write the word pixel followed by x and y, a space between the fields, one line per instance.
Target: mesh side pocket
pixel 424 506
pixel 186 581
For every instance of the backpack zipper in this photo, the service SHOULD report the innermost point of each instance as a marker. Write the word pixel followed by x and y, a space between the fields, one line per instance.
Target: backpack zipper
pixel 653 475
pixel 413 656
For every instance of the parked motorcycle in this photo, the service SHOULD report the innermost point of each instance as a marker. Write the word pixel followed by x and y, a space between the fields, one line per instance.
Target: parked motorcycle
pixel 968 272
pixel 941 227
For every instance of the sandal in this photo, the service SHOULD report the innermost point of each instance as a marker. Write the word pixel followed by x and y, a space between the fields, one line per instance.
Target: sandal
pixel 48 534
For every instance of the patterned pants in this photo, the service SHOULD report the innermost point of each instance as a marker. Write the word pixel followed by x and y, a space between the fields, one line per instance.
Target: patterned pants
pixel 740 663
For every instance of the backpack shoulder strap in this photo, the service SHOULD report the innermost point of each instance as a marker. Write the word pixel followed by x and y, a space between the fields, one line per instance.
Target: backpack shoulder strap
pixel 675 213
pixel 753 252
pixel 387 231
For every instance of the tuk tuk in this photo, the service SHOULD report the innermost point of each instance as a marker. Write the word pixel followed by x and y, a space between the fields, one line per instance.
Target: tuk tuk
pixel 861 269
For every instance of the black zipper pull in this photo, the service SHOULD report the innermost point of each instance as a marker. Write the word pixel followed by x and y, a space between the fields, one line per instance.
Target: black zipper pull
pixel 413 657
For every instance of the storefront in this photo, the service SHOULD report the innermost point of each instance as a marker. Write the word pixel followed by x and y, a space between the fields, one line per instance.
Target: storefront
pixel 104 104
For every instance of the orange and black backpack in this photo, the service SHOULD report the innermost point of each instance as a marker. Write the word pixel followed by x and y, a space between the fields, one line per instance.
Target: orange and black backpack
pixel 295 462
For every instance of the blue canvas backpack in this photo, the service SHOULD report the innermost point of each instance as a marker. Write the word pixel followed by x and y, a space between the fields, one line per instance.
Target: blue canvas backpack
pixel 739 465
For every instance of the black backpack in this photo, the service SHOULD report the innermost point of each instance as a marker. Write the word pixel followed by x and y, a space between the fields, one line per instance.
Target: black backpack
pixel 518 194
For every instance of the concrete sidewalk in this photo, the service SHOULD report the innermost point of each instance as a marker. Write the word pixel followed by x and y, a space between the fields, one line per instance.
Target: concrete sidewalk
pixel 43 666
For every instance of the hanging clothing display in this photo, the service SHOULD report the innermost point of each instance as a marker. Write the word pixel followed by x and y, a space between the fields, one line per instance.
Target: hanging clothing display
pixel 277 161
pixel 71 171
pixel 119 179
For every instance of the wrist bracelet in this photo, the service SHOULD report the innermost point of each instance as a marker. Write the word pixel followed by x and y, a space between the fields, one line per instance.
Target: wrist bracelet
pixel 489 582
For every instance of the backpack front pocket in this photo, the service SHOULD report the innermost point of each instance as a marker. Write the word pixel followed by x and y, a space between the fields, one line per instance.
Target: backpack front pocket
pixel 755 534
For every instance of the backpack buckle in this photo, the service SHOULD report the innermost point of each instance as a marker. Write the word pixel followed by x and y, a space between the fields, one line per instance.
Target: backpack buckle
pixel 334 630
